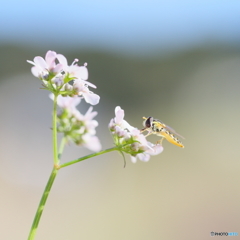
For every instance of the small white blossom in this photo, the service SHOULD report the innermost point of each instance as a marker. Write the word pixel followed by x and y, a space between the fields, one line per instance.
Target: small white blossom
pixel 119 119
pixel 42 67
pixel 75 126
pixel 145 156
pixel 61 78
pixel 80 75
pixel 82 90
pixel 89 123
pixel 66 102
pixel 73 70
pixel 92 143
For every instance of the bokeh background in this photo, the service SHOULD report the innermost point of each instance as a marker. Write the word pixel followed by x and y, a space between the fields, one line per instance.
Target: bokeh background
pixel 178 61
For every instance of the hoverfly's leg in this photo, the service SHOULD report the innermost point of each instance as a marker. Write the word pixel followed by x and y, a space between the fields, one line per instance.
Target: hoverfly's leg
pixel 146 129
pixel 149 133
pixel 143 130
pixel 160 141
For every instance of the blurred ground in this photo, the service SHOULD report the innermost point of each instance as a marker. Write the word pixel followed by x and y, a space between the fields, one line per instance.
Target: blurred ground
pixel 181 194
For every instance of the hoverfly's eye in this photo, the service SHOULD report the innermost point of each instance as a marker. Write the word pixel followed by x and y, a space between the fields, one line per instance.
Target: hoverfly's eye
pixel 148 122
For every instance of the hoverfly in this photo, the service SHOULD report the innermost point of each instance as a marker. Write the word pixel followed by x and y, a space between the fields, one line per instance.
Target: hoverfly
pixel 155 126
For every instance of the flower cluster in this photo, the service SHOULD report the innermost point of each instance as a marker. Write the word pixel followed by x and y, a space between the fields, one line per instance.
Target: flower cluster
pixel 130 140
pixel 77 127
pixel 60 78
pixel 68 85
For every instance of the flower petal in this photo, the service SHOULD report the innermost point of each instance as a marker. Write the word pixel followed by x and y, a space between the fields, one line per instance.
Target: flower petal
pixel 50 58
pixel 92 143
pixel 89 115
pixel 90 84
pixel 119 115
pixel 155 149
pixel 62 60
pixel 31 62
pixel 133 159
pixel 35 71
pixel 82 73
pixel 66 102
pixel 91 98
pixel 40 63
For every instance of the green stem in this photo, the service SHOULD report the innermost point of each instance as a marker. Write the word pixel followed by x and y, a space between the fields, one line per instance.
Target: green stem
pixel 51 181
pixel 42 204
pixel 89 156
pixel 55 145
pixel 62 145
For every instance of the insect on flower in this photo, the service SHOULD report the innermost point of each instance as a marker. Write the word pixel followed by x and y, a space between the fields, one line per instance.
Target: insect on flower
pixel 155 126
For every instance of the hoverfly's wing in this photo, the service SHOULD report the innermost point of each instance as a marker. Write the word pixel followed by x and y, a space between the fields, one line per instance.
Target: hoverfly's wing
pixel 174 132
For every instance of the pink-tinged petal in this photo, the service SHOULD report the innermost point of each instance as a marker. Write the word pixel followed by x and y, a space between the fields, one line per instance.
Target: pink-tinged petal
pixel 82 86
pixel 50 58
pixel 77 114
pixel 35 71
pixel 73 101
pixel 154 149
pixel 90 84
pixel 58 68
pixel 31 62
pixel 91 125
pixel 133 159
pixel 72 70
pixel 62 60
pixel 119 113
pixel 111 125
pixel 79 85
pixel 82 73
pixel 126 125
pixel 70 102
pixel 91 98
pixel 157 149
pixel 89 114
pixel 66 102
pixel 89 111
pixel 40 63
pixel 144 157
pixel 142 139
pixel 120 132
pixel 92 143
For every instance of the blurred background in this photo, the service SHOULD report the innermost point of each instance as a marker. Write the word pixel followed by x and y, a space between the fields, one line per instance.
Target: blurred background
pixel 178 61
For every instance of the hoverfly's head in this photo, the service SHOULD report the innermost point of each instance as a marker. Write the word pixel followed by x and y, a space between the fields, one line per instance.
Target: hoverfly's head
pixel 147 123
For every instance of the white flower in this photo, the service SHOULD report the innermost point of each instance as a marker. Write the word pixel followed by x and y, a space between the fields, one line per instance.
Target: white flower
pixel 119 119
pixel 77 127
pixel 145 156
pixel 78 72
pixel 66 102
pixel 92 142
pixel 121 127
pixel 42 67
pixel 73 70
pixel 136 134
pixel 88 121
pixel 82 90
pixel 57 76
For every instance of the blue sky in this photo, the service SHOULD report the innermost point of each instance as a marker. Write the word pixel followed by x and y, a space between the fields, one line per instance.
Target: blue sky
pixel 120 25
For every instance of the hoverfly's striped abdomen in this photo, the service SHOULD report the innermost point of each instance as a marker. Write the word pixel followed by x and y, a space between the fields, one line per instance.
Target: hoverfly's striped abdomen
pixel 171 138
